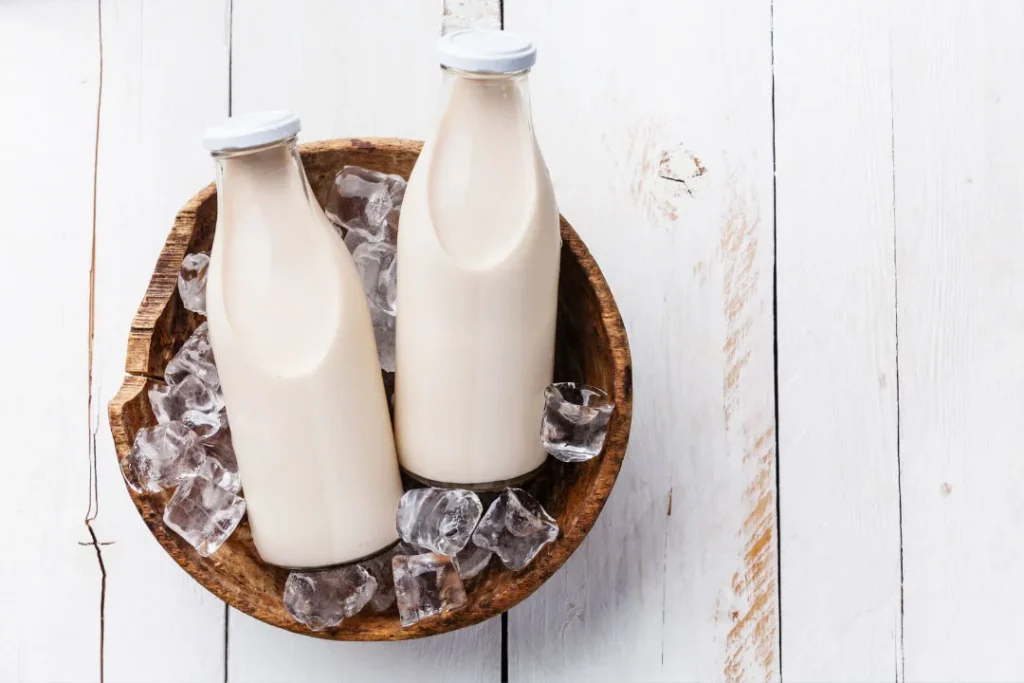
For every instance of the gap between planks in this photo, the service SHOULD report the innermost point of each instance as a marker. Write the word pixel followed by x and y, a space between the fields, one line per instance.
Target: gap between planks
pixel 901 664
pixel 92 512
pixel 775 350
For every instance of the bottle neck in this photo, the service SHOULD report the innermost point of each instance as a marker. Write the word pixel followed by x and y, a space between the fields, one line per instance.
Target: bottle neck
pixel 268 174
pixel 495 97
pixel 483 167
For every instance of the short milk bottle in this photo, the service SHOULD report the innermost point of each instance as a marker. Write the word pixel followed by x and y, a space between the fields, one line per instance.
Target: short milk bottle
pixel 294 346
pixel 478 255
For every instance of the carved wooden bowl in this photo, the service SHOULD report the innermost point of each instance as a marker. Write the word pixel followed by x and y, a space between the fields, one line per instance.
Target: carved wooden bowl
pixel 591 348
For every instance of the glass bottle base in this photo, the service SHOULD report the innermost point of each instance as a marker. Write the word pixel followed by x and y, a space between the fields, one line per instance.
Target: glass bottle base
pixel 479 487
pixel 364 558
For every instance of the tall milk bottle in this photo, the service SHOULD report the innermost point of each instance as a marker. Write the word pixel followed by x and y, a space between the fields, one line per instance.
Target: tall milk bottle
pixel 294 347
pixel 478 254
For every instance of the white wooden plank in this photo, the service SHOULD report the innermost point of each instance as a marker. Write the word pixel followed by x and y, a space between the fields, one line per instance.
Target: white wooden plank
pixel 50 581
pixel 463 14
pixel 166 68
pixel 348 69
pixel 959 103
pixel 655 120
pixel 264 654
pixel 838 464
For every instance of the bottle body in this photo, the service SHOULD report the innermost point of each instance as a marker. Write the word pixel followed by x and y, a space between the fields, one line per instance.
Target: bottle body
pixel 478 251
pixel 294 347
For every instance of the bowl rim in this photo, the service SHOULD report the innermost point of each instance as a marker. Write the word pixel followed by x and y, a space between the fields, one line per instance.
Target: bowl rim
pixel 145 339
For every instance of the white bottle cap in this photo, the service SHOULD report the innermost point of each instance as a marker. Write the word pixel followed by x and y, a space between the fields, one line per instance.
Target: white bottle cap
pixel 251 130
pixel 486 51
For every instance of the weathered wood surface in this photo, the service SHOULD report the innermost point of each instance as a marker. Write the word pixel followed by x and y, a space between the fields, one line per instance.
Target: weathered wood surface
pixel 648 113
pixel 837 381
pixel 50 580
pixel 156 99
pixel 655 120
pixel 958 104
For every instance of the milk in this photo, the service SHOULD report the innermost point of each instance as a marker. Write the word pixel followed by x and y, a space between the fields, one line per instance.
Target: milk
pixel 478 257
pixel 294 346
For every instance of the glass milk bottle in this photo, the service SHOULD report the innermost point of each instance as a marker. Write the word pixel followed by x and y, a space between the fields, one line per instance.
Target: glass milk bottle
pixel 478 255
pixel 294 347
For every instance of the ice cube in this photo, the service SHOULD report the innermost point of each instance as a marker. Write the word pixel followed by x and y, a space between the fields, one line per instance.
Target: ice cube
pixel 440 520
pixel 163 404
pixel 353 239
pixel 192 402
pixel 379 568
pixel 203 514
pixel 472 560
pixel 575 421
pixel 219 446
pixel 384 335
pixel 196 405
pixel 162 456
pixel 426 585
pixel 192 282
pixel 377 267
pixel 515 528
pixel 366 202
pixel 322 599
pixel 206 425
pixel 211 468
pixel 195 357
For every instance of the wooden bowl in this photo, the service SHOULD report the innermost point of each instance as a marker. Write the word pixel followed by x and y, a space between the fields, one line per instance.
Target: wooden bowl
pixel 591 348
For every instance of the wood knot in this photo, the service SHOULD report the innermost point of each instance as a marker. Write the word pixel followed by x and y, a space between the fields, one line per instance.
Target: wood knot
pixel 682 166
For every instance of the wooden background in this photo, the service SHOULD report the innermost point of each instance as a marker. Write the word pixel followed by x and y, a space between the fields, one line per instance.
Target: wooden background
pixel 824 479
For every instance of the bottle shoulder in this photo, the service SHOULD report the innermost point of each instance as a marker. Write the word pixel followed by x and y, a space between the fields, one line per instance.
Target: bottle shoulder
pixel 282 317
pixel 483 212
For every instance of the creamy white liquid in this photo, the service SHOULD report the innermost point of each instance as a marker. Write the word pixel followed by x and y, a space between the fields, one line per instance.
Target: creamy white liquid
pixel 294 347
pixel 478 248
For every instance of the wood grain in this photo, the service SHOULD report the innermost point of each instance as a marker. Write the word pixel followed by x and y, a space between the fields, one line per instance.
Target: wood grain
pixel 464 14
pixel 591 347
pixel 263 654
pixel 838 469
pixel 347 67
pixel 157 97
pixel 51 583
pixel 958 106
pixel 655 121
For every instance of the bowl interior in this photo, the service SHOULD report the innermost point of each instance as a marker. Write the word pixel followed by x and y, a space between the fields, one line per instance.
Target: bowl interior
pixel 591 348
